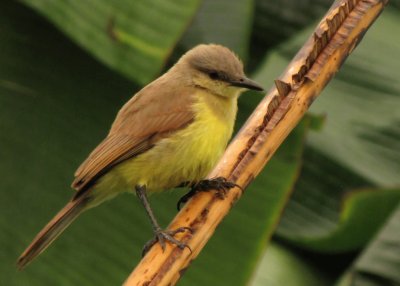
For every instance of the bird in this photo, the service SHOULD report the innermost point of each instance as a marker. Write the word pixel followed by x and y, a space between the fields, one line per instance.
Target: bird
pixel 171 133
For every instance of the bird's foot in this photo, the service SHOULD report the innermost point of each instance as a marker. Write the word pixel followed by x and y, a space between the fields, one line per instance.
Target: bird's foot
pixel 220 184
pixel 161 236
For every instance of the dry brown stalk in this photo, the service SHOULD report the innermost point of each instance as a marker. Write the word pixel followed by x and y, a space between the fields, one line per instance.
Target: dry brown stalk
pixel 320 58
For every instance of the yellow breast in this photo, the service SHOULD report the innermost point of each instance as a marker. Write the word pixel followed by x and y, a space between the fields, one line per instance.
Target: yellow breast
pixel 187 155
pixel 209 134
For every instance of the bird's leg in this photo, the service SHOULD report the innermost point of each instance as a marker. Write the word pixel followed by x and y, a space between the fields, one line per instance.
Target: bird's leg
pixel 159 235
pixel 220 184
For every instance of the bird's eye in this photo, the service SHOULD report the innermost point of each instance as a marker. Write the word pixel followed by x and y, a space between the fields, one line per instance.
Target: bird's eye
pixel 213 75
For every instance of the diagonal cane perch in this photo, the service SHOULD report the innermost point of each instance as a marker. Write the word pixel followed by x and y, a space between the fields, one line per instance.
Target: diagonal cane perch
pixel 316 63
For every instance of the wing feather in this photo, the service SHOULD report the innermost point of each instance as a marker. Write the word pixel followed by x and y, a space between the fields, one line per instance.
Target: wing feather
pixel 156 111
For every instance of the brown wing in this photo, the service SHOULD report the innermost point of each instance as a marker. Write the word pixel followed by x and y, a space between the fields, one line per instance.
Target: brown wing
pixel 153 113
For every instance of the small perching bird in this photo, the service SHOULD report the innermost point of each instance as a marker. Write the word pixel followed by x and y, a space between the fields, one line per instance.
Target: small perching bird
pixel 171 133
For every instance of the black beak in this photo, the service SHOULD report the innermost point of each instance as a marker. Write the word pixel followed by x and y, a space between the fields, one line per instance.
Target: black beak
pixel 247 83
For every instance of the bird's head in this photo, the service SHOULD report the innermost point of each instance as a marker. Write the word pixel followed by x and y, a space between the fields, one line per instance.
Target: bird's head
pixel 217 69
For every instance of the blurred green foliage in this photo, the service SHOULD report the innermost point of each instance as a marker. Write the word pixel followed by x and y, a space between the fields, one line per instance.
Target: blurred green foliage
pixel 68 66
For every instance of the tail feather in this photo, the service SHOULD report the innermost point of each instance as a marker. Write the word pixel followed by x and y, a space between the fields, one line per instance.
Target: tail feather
pixel 52 230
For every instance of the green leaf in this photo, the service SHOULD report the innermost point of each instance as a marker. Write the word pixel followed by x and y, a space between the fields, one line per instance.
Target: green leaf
pixel 330 214
pixel 280 266
pixel 362 213
pixel 276 21
pixel 54 107
pixel 379 263
pixel 207 28
pixel 131 37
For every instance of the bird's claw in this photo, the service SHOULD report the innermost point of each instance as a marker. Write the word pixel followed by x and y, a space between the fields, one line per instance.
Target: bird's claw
pixel 220 184
pixel 161 236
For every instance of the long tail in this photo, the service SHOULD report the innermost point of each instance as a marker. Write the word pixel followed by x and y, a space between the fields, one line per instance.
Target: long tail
pixel 52 230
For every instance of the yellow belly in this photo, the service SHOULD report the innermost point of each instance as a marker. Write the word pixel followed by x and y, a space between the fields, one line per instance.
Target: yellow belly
pixel 187 155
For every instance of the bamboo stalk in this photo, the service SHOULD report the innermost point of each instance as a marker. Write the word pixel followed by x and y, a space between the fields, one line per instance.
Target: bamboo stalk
pixel 278 113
